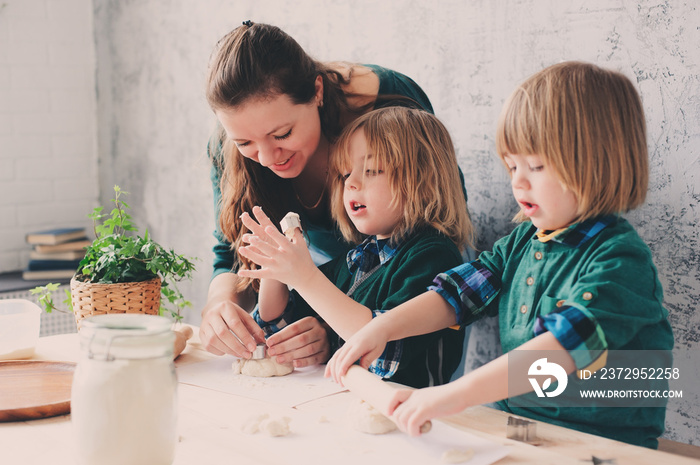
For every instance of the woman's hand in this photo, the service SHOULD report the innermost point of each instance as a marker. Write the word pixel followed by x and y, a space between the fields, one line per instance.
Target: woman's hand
pixel 304 343
pixel 227 328
pixel 366 345
pixel 287 261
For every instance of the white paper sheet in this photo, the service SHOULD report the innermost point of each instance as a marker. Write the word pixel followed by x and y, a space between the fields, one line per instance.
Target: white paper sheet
pixel 302 385
pixel 443 437
pixel 336 442
pixel 321 434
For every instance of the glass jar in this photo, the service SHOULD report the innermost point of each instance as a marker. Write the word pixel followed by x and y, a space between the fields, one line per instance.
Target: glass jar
pixel 124 394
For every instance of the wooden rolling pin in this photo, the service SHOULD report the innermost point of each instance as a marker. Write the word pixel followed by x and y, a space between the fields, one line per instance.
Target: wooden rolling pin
pixel 181 337
pixel 370 388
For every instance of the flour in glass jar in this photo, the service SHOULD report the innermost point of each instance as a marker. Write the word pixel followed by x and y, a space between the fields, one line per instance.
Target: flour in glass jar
pixel 123 406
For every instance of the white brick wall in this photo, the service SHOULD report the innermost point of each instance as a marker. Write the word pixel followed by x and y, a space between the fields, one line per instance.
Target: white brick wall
pixel 48 147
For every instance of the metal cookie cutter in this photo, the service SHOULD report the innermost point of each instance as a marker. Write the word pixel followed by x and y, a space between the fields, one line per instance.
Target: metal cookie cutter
pixel 521 430
pixel 260 352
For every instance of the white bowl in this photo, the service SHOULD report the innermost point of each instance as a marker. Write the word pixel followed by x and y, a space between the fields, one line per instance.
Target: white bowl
pixel 19 328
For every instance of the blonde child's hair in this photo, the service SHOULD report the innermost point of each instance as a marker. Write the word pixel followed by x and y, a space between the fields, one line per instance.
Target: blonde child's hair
pixel 415 151
pixel 587 124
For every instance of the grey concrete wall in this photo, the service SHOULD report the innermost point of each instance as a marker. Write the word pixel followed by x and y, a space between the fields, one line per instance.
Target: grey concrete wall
pixel 468 56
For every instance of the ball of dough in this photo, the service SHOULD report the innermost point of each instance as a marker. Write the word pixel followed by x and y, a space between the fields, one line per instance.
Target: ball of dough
pixel 365 418
pixel 261 368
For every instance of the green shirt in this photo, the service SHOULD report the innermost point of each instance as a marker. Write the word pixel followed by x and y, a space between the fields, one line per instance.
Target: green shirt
pixel 424 360
pixel 599 276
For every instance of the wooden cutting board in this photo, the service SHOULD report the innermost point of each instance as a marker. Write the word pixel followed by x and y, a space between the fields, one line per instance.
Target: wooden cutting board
pixel 31 389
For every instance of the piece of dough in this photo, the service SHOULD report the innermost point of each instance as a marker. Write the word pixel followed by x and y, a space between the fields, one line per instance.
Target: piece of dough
pixel 289 223
pixel 263 423
pixel 252 424
pixel 365 418
pixel 261 368
pixel 457 455
pixel 275 427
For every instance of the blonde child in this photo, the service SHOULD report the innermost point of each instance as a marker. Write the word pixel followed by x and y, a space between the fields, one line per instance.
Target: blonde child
pixel 573 278
pixel 396 191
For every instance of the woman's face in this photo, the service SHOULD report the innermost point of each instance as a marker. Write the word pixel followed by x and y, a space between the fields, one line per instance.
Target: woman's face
pixel 275 132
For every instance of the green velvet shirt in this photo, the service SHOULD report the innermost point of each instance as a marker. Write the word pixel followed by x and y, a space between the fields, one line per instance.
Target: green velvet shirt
pixel 419 361
pixel 594 286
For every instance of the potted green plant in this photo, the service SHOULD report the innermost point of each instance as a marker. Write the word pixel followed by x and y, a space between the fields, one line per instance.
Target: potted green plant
pixel 123 272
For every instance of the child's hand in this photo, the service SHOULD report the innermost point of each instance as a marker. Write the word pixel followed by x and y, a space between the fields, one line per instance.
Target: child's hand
pixel 367 345
pixel 281 259
pixel 411 408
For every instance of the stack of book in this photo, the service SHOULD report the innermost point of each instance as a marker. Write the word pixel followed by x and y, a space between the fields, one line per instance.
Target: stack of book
pixel 56 253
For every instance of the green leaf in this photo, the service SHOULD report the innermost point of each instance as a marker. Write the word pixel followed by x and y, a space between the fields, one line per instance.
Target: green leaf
pixel 119 255
pixel 45 298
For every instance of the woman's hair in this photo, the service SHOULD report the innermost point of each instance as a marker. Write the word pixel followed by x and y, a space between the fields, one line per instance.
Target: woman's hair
pixel 260 61
pixel 257 62
pixel 587 124
pixel 415 151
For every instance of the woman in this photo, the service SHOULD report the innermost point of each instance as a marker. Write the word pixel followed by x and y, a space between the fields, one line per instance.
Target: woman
pixel 280 113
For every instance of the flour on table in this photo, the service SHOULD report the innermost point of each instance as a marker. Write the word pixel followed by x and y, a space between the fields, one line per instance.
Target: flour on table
pixel 275 427
pixel 261 368
pixel 365 418
pixel 457 455
pixel 263 423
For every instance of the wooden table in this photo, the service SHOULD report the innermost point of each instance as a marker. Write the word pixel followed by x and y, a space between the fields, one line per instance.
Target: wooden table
pixel 205 422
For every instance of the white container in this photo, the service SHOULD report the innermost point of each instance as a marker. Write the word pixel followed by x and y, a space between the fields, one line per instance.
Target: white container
pixel 19 328
pixel 124 394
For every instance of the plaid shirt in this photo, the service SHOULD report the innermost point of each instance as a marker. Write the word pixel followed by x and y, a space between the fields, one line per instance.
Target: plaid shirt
pixel 471 287
pixel 362 261
pixel 365 258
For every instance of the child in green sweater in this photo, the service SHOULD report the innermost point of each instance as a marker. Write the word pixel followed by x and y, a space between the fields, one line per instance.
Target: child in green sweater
pixel 396 191
pixel 573 279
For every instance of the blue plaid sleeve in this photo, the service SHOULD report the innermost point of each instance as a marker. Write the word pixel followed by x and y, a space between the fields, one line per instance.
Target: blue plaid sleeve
pixel 578 332
pixel 387 363
pixel 469 288
pixel 271 327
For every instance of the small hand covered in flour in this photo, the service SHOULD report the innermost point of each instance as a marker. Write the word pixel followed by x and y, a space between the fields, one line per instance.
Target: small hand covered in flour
pixel 280 258
pixel 287 260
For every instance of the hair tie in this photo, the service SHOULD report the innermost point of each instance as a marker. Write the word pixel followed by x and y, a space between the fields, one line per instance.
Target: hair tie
pixel 248 23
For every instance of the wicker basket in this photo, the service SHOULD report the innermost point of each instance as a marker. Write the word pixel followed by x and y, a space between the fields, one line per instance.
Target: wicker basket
pixel 98 299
